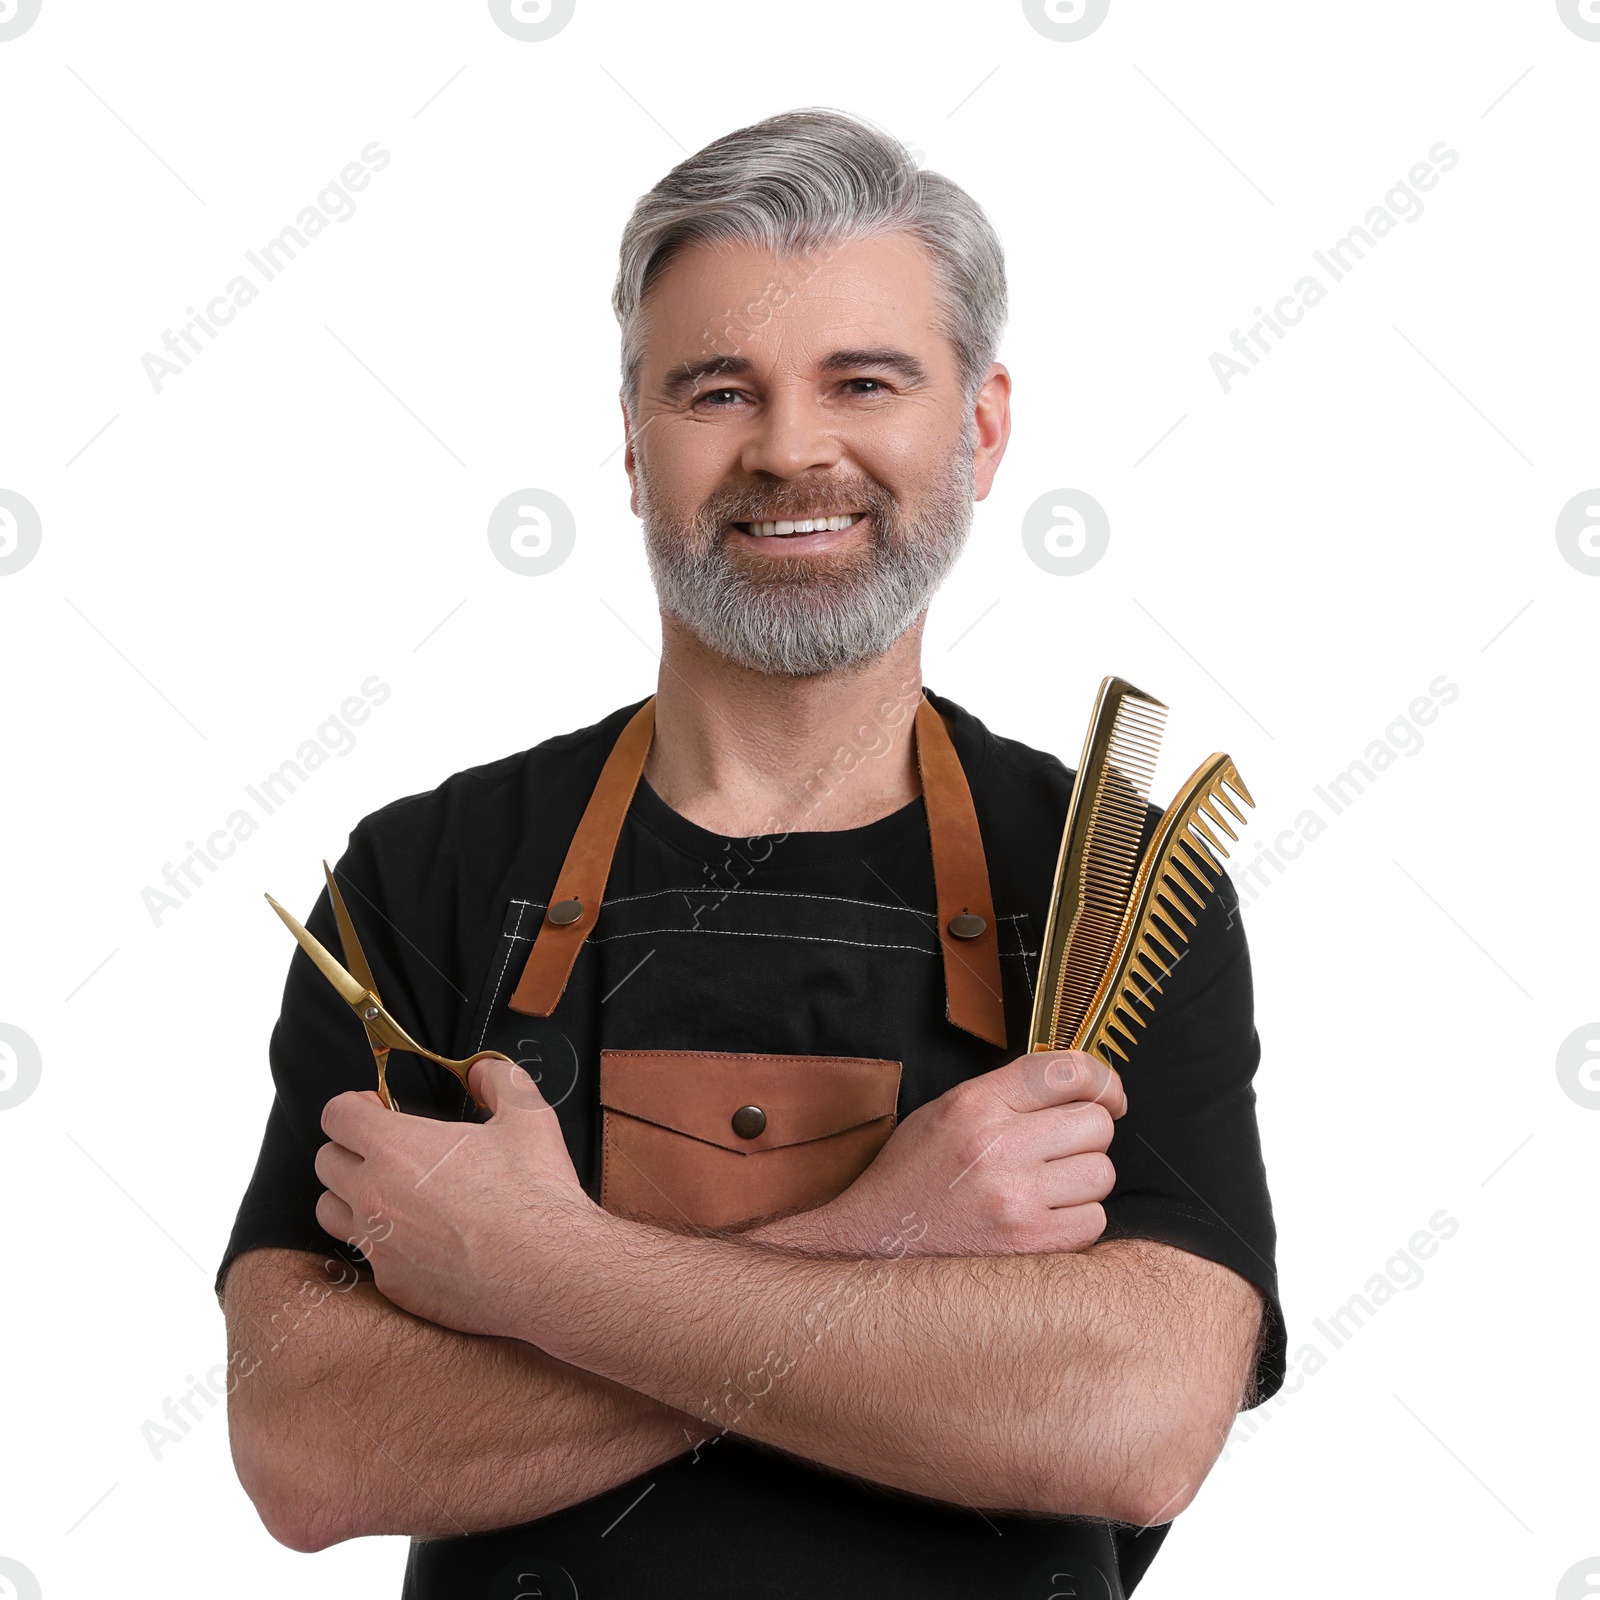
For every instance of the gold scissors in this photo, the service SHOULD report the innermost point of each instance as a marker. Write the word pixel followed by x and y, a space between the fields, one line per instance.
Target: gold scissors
pixel 358 991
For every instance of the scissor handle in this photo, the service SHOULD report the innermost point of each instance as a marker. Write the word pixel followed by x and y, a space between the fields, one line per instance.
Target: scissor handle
pixel 463 1068
pixel 386 1034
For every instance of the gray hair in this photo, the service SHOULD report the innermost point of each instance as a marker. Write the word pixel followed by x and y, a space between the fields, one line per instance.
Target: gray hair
pixel 805 180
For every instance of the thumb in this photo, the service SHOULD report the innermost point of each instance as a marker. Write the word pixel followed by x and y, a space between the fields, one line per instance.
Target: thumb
pixel 500 1084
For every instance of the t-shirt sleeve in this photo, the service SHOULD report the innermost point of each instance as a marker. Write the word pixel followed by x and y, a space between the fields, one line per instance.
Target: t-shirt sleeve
pixel 319 1049
pixel 1187 1153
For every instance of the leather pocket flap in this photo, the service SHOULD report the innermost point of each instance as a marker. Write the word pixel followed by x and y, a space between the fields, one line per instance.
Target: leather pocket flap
pixel 697 1092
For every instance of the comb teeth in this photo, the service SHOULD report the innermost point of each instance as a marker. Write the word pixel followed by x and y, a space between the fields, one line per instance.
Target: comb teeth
pixel 1175 878
pixel 1099 856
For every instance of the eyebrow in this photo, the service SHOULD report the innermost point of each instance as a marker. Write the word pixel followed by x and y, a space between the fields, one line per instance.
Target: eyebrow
pixel 682 378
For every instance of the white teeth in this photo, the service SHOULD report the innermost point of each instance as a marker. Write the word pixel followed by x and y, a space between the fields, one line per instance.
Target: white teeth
pixel 770 530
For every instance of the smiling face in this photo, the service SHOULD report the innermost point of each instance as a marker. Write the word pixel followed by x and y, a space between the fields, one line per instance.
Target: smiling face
pixel 804 467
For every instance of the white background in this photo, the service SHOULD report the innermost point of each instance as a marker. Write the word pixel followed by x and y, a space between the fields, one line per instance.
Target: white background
pixel 1294 562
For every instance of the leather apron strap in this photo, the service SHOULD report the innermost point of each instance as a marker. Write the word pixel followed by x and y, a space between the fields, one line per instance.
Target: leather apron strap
pixel 967 931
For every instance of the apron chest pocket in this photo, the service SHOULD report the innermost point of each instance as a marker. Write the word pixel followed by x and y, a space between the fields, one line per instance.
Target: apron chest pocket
pixel 716 1138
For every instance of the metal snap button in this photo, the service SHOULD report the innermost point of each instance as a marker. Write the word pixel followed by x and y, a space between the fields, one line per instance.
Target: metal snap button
pixel 749 1122
pixel 967 926
pixel 565 911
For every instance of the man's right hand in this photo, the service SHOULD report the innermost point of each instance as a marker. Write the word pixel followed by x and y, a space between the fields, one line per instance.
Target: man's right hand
pixel 1011 1162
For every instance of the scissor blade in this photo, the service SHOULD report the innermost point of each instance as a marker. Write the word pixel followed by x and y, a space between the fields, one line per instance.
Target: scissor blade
pixel 350 991
pixel 354 956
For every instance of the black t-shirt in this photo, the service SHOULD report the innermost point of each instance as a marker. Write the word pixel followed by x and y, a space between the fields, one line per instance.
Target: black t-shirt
pixel 809 943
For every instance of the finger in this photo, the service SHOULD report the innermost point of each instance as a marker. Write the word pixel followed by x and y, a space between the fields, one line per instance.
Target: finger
pixel 1056 1077
pixel 1052 1133
pixel 1078 1227
pixel 335 1217
pixel 1077 1180
pixel 337 1168
pixel 1076 1075
pixel 499 1084
pixel 1075 1129
pixel 1115 1096
pixel 356 1118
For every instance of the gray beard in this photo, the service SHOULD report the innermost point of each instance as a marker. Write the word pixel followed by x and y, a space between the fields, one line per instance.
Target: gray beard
pixel 797 619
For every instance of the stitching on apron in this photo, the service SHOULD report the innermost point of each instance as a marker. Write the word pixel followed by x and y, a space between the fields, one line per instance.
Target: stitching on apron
pixel 748 933
pixel 782 894
pixel 744 933
pixel 511 945
pixel 1027 977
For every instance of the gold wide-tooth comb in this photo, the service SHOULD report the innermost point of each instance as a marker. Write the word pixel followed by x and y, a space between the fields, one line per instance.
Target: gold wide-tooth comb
pixel 1098 860
pixel 1174 879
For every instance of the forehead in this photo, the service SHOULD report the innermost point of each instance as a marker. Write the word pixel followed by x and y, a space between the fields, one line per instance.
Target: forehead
pixel 739 298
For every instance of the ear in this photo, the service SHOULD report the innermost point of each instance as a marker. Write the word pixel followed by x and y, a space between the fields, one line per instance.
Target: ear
pixel 992 429
pixel 629 466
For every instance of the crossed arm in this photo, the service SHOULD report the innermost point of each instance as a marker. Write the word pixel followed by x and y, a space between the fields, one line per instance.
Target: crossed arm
pixel 1023 1367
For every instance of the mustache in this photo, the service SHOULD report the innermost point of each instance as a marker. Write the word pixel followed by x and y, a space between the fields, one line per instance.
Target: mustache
pixel 791 501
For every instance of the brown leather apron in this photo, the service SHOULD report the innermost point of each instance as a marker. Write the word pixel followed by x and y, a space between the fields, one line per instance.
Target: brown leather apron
pixel 711 1139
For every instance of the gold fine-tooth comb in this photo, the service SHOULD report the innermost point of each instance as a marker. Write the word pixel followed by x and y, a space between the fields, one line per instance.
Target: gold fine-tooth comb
pixel 1098 859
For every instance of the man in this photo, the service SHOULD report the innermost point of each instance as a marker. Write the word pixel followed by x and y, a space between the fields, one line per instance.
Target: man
pixel 926 1315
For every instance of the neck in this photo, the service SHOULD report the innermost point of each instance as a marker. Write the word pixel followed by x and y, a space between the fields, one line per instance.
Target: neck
pixel 742 753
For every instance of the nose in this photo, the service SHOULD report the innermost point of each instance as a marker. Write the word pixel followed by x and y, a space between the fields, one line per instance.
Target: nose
pixel 792 436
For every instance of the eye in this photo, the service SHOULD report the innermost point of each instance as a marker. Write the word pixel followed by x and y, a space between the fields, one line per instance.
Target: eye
pixel 713 395
pixel 878 385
